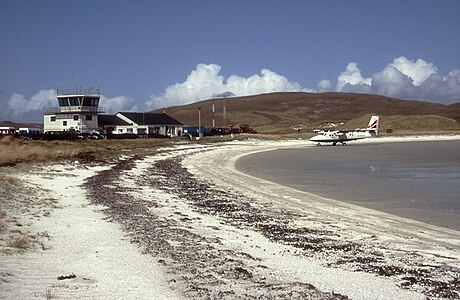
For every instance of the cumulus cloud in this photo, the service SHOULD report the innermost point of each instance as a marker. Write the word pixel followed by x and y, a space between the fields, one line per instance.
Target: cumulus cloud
pixel 23 109
pixel 418 71
pixel 205 81
pixel 18 107
pixel 324 86
pixel 352 77
pixel 402 78
pixel 117 104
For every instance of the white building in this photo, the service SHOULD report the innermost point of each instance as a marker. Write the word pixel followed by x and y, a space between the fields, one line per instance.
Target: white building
pixel 151 124
pixel 78 110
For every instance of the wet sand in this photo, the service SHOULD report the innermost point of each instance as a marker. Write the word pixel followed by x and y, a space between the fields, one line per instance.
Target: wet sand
pixel 415 180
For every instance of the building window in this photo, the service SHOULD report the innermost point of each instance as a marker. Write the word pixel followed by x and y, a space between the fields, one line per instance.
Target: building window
pixel 64 123
pixel 75 118
pixel 53 118
pixel 89 117
pixel 129 130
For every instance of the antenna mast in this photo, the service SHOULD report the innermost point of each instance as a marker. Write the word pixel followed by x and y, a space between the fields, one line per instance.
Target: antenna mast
pixel 213 112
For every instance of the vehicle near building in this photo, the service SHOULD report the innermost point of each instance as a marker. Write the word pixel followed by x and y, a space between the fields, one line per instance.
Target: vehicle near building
pixel 93 135
pixel 245 128
pixel 30 133
pixel 7 131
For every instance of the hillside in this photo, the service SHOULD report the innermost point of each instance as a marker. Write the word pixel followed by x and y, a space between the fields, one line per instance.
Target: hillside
pixel 19 125
pixel 286 112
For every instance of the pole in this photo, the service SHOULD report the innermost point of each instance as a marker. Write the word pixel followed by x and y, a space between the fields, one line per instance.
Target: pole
pixel 213 113
pixel 200 134
pixel 225 115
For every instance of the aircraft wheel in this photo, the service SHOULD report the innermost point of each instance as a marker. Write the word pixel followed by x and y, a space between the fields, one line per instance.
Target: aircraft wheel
pixel 344 144
pixel 319 144
pixel 334 144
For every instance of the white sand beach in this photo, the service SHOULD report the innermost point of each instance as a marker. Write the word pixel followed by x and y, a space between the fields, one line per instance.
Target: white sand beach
pixel 184 223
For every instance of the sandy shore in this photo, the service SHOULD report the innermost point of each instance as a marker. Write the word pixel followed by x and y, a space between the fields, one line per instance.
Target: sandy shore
pixel 184 223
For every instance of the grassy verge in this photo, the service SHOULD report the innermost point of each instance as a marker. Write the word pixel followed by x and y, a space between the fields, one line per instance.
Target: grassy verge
pixel 17 151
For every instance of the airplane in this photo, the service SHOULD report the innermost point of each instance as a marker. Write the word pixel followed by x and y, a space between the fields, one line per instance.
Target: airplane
pixel 343 136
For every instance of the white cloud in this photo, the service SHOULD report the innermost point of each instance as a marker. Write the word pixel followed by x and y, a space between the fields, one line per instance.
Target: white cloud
pixel 18 104
pixel 117 104
pixel 351 76
pixel 405 79
pixel 205 81
pixel 418 71
pixel 324 85
pixel 391 82
pixel 402 78
pixel 19 108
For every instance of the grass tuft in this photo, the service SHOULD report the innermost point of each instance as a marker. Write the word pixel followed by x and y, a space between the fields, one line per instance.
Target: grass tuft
pixel 20 242
pixel 49 293
pixel 3 224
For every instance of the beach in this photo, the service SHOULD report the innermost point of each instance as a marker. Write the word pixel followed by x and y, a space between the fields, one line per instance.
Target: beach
pixel 184 223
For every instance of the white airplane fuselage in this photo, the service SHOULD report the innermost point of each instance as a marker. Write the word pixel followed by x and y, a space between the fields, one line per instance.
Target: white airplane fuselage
pixel 337 136
pixel 342 136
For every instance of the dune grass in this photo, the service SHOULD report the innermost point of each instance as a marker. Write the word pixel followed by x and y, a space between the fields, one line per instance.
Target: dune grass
pixel 13 151
pixel 19 242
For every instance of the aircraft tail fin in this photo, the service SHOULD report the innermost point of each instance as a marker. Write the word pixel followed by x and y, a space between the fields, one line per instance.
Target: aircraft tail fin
pixel 373 126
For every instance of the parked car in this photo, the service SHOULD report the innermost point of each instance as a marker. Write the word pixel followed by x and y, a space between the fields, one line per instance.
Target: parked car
pixel 89 136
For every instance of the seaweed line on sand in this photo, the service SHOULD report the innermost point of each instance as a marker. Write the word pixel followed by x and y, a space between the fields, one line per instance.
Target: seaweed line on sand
pixel 211 271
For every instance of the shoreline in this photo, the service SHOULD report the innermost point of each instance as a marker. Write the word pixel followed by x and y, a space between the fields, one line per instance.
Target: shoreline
pixel 224 162
pixel 359 176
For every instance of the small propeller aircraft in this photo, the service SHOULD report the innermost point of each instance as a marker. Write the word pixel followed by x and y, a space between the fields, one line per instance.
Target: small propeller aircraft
pixel 343 136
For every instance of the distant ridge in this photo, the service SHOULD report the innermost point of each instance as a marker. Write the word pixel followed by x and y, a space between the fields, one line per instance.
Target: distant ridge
pixel 284 112
pixel 20 125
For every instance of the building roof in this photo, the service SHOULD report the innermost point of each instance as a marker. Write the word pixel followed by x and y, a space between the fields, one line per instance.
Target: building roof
pixel 151 118
pixel 110 120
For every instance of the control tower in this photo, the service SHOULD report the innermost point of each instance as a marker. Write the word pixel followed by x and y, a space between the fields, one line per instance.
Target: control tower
pixel 78 110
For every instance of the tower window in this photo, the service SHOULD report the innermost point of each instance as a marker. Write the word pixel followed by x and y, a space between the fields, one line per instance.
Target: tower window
pixel 90 101
pixel 75 118
pixel 63 102
pixel 53 118
pixel 74 102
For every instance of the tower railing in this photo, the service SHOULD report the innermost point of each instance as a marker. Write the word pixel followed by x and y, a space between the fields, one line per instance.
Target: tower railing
pixel 74 109
pixel 79 91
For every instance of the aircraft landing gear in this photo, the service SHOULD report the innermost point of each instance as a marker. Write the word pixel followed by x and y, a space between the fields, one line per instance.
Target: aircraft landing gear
pixel 344 144
pixel 318 145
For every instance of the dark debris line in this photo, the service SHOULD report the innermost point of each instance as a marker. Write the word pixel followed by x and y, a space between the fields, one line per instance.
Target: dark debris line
pixel 238 211
pixel 206 269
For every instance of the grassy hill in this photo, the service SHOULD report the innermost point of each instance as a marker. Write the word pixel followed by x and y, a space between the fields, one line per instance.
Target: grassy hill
pixel 288 112
pixel 19 125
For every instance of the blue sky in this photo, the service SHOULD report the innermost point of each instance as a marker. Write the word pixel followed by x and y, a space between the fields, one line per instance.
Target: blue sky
pixel 151 54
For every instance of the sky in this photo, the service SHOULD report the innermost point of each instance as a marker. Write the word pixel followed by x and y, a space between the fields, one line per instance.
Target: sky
pixel 146 55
